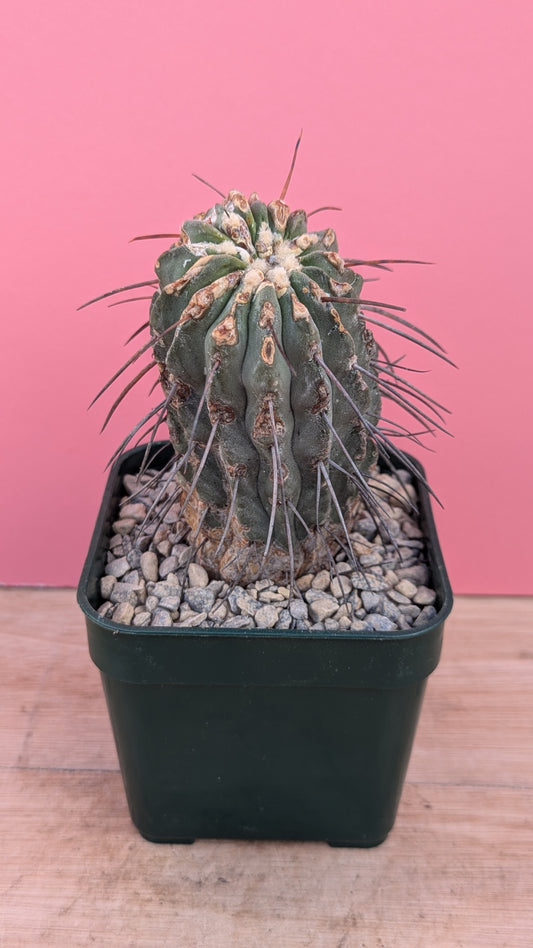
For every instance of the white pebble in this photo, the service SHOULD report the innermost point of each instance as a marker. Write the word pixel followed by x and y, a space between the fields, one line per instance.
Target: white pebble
pixel 219 612
pixel 323 608
pixel 124 525
pixel 321 580
pixel 123 613
pixel 340 586
pixel 406 588
pixel 198 576
pixel 169 564
pixel 266 617
pixel 424 596
pixel 149 566
pixel 136 512
pixel 106 586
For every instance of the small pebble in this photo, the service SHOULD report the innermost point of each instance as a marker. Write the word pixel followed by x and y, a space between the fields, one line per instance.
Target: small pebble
pixel 370 559
pixel 118 567
pixel 244 604
pixel 426 615
pixel 321 580
pixel 390 610
pixel 380 623
pixel 237 622
pixel 131 483
pixel 172 603
pixel 198 576
pixel 410 612
pixel 424 596
pixel 123 613
pixel 285 620
pixel 200 598
pixel 323 608
pixel 218 587
pixel 298 610
pixel 406 588
pixel 123 592
pixel 268 595
pixel 398 597
pixel 149 566
pixel 135 512
pixel 371 601
pixel 266 617
pixel 183 552
pixel 418 573
pixel 105 610
pixel 169 564
pixel 123 526
pixel 366 528
pixel 163 589
pixel 161 533
pixel 313 594
pixel 369 581
pixel 340 586
pixel 106 586
pixel 262 584
pixel 134 559
pixel 343 568
pixel 343 612
pixel 304 582
pixel 192 620
pixel 219 612
pixel 161 618
pixel 173 514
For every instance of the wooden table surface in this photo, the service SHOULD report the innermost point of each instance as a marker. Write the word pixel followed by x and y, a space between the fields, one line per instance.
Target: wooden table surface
pixel 457 869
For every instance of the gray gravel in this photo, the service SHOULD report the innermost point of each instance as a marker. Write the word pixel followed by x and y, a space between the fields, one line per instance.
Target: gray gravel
pixel 150 580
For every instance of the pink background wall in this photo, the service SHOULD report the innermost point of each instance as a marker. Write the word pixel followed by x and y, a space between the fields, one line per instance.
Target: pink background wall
pixel 417 121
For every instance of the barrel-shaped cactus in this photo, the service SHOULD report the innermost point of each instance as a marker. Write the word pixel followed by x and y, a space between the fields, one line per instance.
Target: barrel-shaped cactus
pixel 268 384
pixel 272 387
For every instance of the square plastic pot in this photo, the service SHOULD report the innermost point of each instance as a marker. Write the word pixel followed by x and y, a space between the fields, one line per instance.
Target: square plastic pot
pixel 251 734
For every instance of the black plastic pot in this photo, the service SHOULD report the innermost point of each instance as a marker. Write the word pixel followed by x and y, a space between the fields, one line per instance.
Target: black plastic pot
pixel 254 734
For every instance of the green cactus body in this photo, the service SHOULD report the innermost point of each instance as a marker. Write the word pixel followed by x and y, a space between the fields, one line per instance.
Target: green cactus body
pixel 260 423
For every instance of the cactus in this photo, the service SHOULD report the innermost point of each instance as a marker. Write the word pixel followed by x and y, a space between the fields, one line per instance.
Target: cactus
pixel 272 386
pixel 247 372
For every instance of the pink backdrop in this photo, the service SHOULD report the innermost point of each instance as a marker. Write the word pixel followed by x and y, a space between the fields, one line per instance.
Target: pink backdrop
pixel 417 121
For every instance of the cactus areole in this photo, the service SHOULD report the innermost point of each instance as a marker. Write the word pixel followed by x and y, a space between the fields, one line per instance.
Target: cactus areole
pixel 270 387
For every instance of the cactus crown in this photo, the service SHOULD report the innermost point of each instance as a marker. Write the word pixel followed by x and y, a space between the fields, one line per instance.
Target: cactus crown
pixel 272 387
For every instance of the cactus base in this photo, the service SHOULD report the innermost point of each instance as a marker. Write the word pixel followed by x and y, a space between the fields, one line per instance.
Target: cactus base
pixel 236 560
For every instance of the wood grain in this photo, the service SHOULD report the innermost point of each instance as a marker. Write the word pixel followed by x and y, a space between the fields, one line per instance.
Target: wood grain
pixel 457 869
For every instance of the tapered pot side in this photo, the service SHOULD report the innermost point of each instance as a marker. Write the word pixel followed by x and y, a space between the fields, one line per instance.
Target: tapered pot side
pixel 260 734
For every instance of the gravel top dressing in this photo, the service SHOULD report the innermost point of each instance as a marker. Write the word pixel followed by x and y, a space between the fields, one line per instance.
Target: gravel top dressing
pixel 151 578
